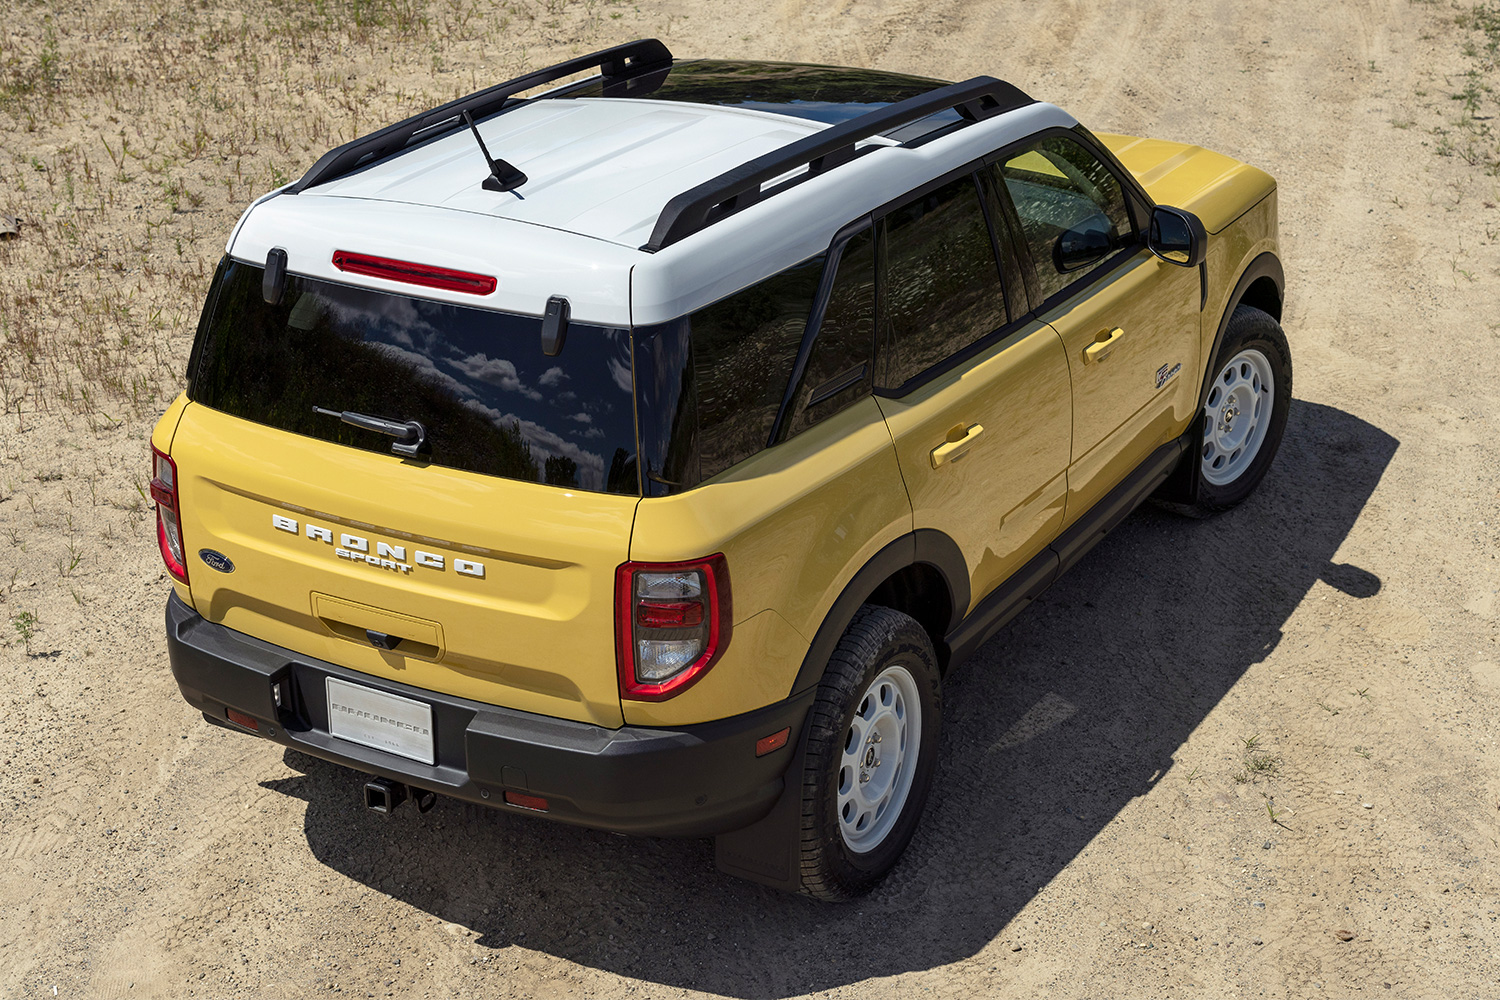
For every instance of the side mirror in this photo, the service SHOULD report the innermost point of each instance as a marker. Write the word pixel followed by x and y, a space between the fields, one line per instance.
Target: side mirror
pixel 1084 244
pixel 1177 237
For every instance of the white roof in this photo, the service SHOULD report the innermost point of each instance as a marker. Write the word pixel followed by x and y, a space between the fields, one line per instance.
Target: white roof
pixel 600 171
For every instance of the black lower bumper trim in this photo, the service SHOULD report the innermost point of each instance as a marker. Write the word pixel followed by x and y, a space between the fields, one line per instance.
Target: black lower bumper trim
pixel 696 781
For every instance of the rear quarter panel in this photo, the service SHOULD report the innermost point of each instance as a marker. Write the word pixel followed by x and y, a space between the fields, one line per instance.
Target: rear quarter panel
pixel 795 523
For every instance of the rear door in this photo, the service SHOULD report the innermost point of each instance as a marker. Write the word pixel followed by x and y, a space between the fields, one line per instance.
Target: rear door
pixel 1128 321
pixel 485 563
pixel 975 392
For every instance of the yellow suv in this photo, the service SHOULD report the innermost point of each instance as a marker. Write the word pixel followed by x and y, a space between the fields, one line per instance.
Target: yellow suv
pixel 642 454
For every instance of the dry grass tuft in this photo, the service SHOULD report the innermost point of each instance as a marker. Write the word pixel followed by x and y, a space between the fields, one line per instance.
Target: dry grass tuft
pixel 186 113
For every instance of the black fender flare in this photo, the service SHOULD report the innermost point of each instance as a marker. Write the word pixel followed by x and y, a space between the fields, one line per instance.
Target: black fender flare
pixel 1267 265
pixel 925 546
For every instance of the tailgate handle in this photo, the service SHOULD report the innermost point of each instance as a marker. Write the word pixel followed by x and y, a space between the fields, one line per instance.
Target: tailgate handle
pixel 382 639
pixel 391 631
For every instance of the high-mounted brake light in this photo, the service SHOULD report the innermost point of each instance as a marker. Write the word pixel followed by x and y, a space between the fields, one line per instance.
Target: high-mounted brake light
pixel 413 274
pixel 672 623
pixel 168 519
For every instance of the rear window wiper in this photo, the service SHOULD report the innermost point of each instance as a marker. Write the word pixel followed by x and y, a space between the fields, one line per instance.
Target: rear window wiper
pixel 410 435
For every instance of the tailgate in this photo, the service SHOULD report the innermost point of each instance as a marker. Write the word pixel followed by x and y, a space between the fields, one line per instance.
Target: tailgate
pixel 491 589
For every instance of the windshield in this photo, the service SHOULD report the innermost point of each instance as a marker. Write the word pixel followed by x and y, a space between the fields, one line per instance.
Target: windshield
pixel 490 400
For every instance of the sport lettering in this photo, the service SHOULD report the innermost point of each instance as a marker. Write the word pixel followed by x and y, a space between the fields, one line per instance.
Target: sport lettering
pixel 354 548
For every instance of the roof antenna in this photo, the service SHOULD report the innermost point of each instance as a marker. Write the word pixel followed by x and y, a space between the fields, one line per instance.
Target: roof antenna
pixel 503 176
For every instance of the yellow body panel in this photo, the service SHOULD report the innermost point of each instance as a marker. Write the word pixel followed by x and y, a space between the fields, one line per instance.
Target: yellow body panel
pixel 535 632
pixel 1002 500
pixel 1235 201
pixel 1119 333
pixel 795 523
pixel 1216 188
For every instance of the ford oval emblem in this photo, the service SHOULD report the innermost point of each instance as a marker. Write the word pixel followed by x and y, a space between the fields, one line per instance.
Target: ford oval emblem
pixel 216 560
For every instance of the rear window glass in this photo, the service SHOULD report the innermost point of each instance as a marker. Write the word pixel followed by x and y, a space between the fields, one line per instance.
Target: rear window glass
pixel 490 400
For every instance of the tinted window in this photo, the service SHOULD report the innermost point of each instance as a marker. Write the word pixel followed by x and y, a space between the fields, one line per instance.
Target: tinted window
pixel 838 368
pixel 1058 186
pixel 743 350
pixel 666 407
pixel 942 288
pixel 477 380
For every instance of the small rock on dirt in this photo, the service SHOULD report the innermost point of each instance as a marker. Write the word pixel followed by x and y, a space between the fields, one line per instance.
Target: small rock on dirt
pixel 1344 935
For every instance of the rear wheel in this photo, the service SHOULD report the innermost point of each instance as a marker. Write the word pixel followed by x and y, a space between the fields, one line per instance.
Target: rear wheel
pixel 871 752
pixel 1244 411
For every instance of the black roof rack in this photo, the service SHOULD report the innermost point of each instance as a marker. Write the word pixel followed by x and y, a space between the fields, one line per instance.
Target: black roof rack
pixel 699 207
pixel 619 65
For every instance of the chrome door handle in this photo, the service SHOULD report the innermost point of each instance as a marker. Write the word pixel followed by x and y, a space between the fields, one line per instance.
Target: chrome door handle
pixel 960 440
pixel 1102 345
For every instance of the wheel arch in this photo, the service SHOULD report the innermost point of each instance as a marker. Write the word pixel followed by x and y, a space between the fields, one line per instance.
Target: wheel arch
pixel 922 574
pixel 1261 284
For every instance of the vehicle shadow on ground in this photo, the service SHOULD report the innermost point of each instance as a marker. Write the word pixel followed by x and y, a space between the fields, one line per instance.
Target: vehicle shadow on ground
pixel 1049 732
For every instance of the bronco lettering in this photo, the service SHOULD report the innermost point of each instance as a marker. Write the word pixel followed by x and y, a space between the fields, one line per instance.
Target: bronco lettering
pixel 356 548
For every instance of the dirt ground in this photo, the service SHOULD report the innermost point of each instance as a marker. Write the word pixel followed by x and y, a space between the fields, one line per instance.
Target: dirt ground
pixel 1251 756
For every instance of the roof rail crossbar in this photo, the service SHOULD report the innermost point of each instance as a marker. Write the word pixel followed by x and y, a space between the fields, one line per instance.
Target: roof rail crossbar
pixel 618 64
pixel 734 190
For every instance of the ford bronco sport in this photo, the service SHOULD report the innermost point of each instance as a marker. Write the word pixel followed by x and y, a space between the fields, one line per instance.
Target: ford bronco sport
pixel 643 453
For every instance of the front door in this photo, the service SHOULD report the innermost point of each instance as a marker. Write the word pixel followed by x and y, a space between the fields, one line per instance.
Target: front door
pixel 1128 320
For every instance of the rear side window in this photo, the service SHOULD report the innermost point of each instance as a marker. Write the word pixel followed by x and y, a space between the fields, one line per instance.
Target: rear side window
pixel 838 368
pixel 743 350
pixel 710 384
pixel 477 380
pixel 1057 185
pixel 942 289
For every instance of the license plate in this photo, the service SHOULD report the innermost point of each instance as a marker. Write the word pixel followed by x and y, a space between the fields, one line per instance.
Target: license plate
pixel 383 721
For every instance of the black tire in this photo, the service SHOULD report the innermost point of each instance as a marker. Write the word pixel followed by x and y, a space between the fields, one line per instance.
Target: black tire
pixel 877 641
pixel 1249 329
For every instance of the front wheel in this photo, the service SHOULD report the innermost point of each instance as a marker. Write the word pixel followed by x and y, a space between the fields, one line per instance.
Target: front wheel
pixel 1244 411
pixel 871 752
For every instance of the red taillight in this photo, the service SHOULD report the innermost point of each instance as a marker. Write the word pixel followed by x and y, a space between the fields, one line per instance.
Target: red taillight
pixel 168 519
pixel 413 274
pixel 672 623
pixel 668 614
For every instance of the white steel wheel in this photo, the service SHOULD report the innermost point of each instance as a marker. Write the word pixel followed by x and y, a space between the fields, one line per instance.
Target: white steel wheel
pixel 1238 408
pixel 879 759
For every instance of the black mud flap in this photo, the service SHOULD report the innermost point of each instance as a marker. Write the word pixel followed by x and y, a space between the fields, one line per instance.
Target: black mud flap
pixel 769 850
pixel 1181 486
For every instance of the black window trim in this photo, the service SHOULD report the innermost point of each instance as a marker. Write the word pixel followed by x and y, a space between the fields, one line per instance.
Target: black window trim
pixel 833 256
pixel 1005 238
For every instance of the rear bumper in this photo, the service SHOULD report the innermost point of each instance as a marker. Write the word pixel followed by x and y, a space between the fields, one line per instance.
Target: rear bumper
pixel 696 781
